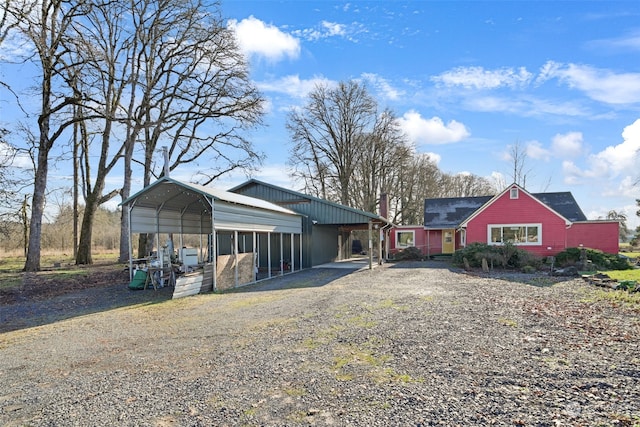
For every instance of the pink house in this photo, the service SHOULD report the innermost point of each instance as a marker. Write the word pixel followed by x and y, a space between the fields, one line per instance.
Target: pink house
pixel 542 223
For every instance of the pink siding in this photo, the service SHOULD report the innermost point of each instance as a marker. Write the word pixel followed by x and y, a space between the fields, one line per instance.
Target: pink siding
pixel 523 210
pixel 556 234
pixel 420 238
pixel 434 242
pixel 594 235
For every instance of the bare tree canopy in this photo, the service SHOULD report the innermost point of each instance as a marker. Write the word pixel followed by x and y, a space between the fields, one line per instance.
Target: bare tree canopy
pixel 520 170
pixel 346 151
pixel 131 77
pixel 327 135
pixel 45 25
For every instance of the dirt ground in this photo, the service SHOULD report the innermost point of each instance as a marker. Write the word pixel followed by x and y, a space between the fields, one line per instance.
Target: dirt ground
pixel 406 344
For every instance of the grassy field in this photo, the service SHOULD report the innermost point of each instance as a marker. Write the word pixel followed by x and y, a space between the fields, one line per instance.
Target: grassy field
pixel 57 266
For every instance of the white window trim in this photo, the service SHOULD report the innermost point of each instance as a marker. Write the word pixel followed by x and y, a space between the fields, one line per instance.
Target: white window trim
pixel 413 239
pixel 513 193
pixel 492 226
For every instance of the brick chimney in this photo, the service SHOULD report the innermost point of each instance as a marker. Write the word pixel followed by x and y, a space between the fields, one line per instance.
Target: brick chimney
pixel 384 205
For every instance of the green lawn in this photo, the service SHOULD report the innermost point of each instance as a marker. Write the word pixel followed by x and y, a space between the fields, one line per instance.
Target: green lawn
pixel 621 275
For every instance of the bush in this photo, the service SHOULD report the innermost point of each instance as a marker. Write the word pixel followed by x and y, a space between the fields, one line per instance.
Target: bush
pixel 601 260
pixel 410 254
pixel 506 256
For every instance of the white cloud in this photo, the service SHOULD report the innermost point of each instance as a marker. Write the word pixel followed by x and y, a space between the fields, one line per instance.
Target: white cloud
pixel 431 131
pixel 327 29
pixel 499 180
pixel 479 78
pixel 630 41
pixel 260 39
pixel 434 157
pixel 333 28
pixel 567 145
pixel 293 86
pixel 628 187
pixel 382 86
pixel 599 84
pixel 535 150
pixel 624 156
pixel 613 161
pixel 524 106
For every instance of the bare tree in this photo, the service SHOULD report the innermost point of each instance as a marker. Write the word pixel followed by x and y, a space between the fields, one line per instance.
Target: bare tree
pixel 383 152
pixel 46 28
pixel 467 185
pixel 327 134
pixel 12 181
pixel 165 72
pixel 518 157
pixel 189 90
pixel 417 178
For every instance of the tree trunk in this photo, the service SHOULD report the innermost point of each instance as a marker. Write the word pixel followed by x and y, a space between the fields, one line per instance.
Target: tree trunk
pixel 125 232
pixel 86 232
pixel 32 262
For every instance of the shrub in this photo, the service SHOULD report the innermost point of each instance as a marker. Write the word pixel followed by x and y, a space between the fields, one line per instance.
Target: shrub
pixel 410 254
pixel 601 260
pixel 506 256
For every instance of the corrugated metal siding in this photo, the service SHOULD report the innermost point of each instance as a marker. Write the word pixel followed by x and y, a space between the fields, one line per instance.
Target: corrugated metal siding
pixel 143 220
pixel 228 216
pixel 325 244
pixel 322 211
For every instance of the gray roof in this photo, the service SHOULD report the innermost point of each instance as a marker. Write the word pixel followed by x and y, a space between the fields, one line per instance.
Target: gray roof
pixel 450 212
pixel 320 210
pixel 563 203
pixel 174 195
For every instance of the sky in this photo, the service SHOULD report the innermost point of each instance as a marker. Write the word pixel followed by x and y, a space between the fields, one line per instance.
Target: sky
pixel 468 80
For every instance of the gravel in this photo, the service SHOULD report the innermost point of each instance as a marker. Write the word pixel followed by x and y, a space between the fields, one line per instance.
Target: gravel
pixel 420 345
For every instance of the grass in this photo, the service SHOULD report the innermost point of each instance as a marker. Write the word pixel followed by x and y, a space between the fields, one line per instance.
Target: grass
pixel 624 298
pixel 54 266
pixel 508 322
pixel 621 275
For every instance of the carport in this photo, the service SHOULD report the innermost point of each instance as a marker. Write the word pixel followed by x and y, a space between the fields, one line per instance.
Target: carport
pixel 242 239
pixel 327 227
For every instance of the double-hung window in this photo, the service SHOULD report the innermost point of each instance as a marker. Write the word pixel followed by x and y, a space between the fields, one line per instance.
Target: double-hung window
pixel 518 234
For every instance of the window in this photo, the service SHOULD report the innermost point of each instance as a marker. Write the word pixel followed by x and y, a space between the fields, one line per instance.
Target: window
pixel 518 234
pixel 513 193
pixel 405 239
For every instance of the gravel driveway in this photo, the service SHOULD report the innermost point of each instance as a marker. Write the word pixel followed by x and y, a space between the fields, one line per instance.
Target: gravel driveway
pixel 391 346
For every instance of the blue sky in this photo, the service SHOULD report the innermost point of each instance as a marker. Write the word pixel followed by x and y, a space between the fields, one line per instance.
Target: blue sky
pixel 467 81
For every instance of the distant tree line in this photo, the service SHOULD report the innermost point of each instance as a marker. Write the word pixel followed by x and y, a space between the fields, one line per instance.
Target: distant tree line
pixel 57 232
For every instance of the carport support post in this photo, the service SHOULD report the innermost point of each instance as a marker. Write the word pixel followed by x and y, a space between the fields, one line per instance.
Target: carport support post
pixel 235 256
pixel 293 257
pixel 129 208
pixel 300 238
pixel 370 245
pixel 381 241
pixel 269 254
pixel 214 247
pixel 281 254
